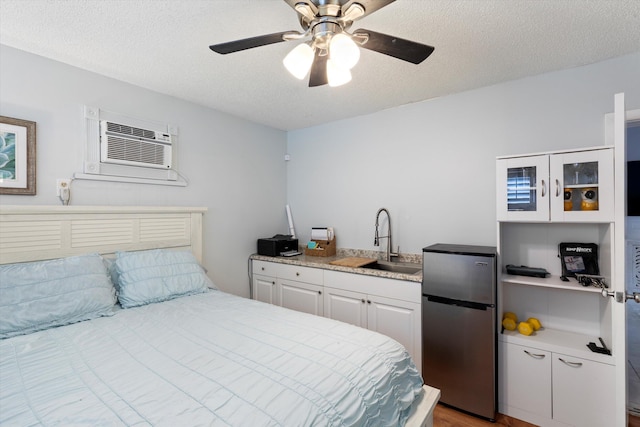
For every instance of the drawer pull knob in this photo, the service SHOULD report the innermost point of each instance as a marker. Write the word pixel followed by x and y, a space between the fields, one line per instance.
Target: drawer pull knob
pixel 297 274
pixel 262 268
pixel 319 292
pixel 363 301
pixel 535 356
pixel 572 364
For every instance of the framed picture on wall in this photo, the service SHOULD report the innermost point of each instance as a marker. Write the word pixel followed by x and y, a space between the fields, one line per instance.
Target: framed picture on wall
pixel 17 156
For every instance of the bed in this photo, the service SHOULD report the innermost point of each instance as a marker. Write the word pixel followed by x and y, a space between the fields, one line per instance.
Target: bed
pixel 174 350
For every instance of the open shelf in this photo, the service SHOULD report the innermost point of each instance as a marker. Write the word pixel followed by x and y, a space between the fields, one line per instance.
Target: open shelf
pixel 558 341
pixel 549 282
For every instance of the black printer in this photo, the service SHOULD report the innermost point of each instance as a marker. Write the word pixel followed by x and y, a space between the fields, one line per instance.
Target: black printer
pixel 274 246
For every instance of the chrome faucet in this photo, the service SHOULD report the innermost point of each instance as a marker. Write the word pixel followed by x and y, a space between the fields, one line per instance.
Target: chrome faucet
pixel 376 238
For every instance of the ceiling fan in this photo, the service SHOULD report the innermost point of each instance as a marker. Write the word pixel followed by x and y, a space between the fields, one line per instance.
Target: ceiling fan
pixel 331 51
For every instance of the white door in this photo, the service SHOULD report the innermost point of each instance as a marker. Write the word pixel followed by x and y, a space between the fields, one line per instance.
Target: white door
pixel 345 306
pixel 619 350
pixel 578 399
pixel 581 186
pixel 300 296
pixel 523 188
pixel 399 320
pixel 264 289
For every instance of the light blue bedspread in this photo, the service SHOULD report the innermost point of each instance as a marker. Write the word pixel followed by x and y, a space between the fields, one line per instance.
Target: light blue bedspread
pixel 207 359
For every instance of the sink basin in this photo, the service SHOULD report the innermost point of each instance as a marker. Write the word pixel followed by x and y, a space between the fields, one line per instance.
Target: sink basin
pixel 395 267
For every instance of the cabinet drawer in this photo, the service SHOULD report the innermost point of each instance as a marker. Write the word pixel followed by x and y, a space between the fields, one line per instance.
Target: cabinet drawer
pixel 300 274
pixel 265 268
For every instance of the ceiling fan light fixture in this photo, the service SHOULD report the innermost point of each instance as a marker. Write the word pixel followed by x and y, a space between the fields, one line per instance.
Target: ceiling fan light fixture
pixel 298 61
pixel 337 75
pixel 344 51
pixel 355 11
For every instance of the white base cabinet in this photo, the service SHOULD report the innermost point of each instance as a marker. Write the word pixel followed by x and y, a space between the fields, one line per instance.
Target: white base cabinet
pixel 391 307
pixel 553 389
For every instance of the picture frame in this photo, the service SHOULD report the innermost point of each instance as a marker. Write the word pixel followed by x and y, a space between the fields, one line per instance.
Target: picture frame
pixel 17 156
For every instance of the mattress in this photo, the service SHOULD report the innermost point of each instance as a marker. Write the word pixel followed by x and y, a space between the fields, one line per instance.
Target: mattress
pixel 207 359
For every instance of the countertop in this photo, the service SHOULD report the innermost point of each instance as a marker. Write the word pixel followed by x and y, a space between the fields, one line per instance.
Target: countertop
pixel 324 263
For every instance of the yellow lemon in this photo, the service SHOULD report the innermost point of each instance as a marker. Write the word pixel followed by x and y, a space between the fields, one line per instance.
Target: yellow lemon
pixel 509 324
pixel 525 328
pixel 510 315
pixel 535 323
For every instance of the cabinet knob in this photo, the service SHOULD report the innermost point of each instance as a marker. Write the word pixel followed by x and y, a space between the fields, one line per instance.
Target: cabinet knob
pixel 297 274
pixel 368 301
pixel 363 301
pixel 572 364
pixel 319 292
pixel 262 268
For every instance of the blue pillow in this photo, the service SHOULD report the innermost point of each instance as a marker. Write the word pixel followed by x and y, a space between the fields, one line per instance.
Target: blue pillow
pixel 39 295
pixel 158 275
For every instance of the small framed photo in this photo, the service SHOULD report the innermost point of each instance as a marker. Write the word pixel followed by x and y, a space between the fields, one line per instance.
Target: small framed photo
pixel 17 156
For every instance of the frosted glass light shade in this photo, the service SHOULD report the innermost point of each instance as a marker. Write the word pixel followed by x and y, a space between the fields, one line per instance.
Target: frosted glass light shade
pixel 344 51
pixel 337 75
pixel 298 61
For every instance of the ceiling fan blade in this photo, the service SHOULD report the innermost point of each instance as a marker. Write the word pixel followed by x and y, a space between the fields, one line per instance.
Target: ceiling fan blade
pixel 250 43
pixel 318 74
pixel 370 6
pixel 406 50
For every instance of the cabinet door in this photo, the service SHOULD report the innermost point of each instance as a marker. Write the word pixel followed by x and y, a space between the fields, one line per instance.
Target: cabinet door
pixel 525 381
pixel 399 320
pixel 346 306
pixel 582 186
pixel 583 392
pixel 522 188
pixel 299 296
pixel 264 289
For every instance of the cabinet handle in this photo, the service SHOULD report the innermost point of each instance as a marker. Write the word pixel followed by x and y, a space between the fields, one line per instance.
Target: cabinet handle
pixel 363 301
pixel 262 268
pixel 544 188
pixel 368 301
pixel 319 292
pixel 557 187
pixel 572 364
pixel 273 283
pixel 297 274
pixel 535 356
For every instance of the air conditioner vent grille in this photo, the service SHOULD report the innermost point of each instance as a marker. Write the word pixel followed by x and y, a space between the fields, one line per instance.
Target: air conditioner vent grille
pixel 130 130
pixel 135 151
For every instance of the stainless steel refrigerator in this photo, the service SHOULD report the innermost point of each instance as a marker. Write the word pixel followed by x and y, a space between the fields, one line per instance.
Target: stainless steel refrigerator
pixel 459 329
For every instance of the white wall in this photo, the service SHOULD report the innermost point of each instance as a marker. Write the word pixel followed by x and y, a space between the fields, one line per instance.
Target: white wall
pixel 235 167
pixel 432 164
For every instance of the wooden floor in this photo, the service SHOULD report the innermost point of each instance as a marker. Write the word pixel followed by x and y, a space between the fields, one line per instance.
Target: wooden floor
pixel 446 417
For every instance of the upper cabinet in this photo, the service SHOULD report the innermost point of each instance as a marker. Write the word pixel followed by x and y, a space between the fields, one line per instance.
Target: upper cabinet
pixel 571 186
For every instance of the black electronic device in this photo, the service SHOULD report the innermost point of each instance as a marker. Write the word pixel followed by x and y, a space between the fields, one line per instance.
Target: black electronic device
pixel 602 350
pixel 276 245
pixel 523 270
pixel 578 258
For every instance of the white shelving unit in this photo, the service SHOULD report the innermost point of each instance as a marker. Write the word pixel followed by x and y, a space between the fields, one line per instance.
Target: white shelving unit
pixel 545 211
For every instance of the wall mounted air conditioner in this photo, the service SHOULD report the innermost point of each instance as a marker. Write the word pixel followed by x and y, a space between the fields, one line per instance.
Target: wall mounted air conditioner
pixel 128 145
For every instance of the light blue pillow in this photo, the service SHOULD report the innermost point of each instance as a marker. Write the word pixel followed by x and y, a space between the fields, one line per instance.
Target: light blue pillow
pixel 39 295
pixel 158 275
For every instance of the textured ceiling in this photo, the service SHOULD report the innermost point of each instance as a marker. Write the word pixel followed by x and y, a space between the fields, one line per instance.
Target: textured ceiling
pixel 163 45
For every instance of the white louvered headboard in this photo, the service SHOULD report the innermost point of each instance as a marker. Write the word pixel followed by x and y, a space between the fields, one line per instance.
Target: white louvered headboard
pixel 31 233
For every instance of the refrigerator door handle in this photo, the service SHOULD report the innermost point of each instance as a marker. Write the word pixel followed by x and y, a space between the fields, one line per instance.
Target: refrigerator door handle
pixel 466 304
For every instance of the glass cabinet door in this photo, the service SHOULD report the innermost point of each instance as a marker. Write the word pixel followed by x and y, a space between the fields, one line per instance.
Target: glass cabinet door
pixel 522 192
pixel 582 186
